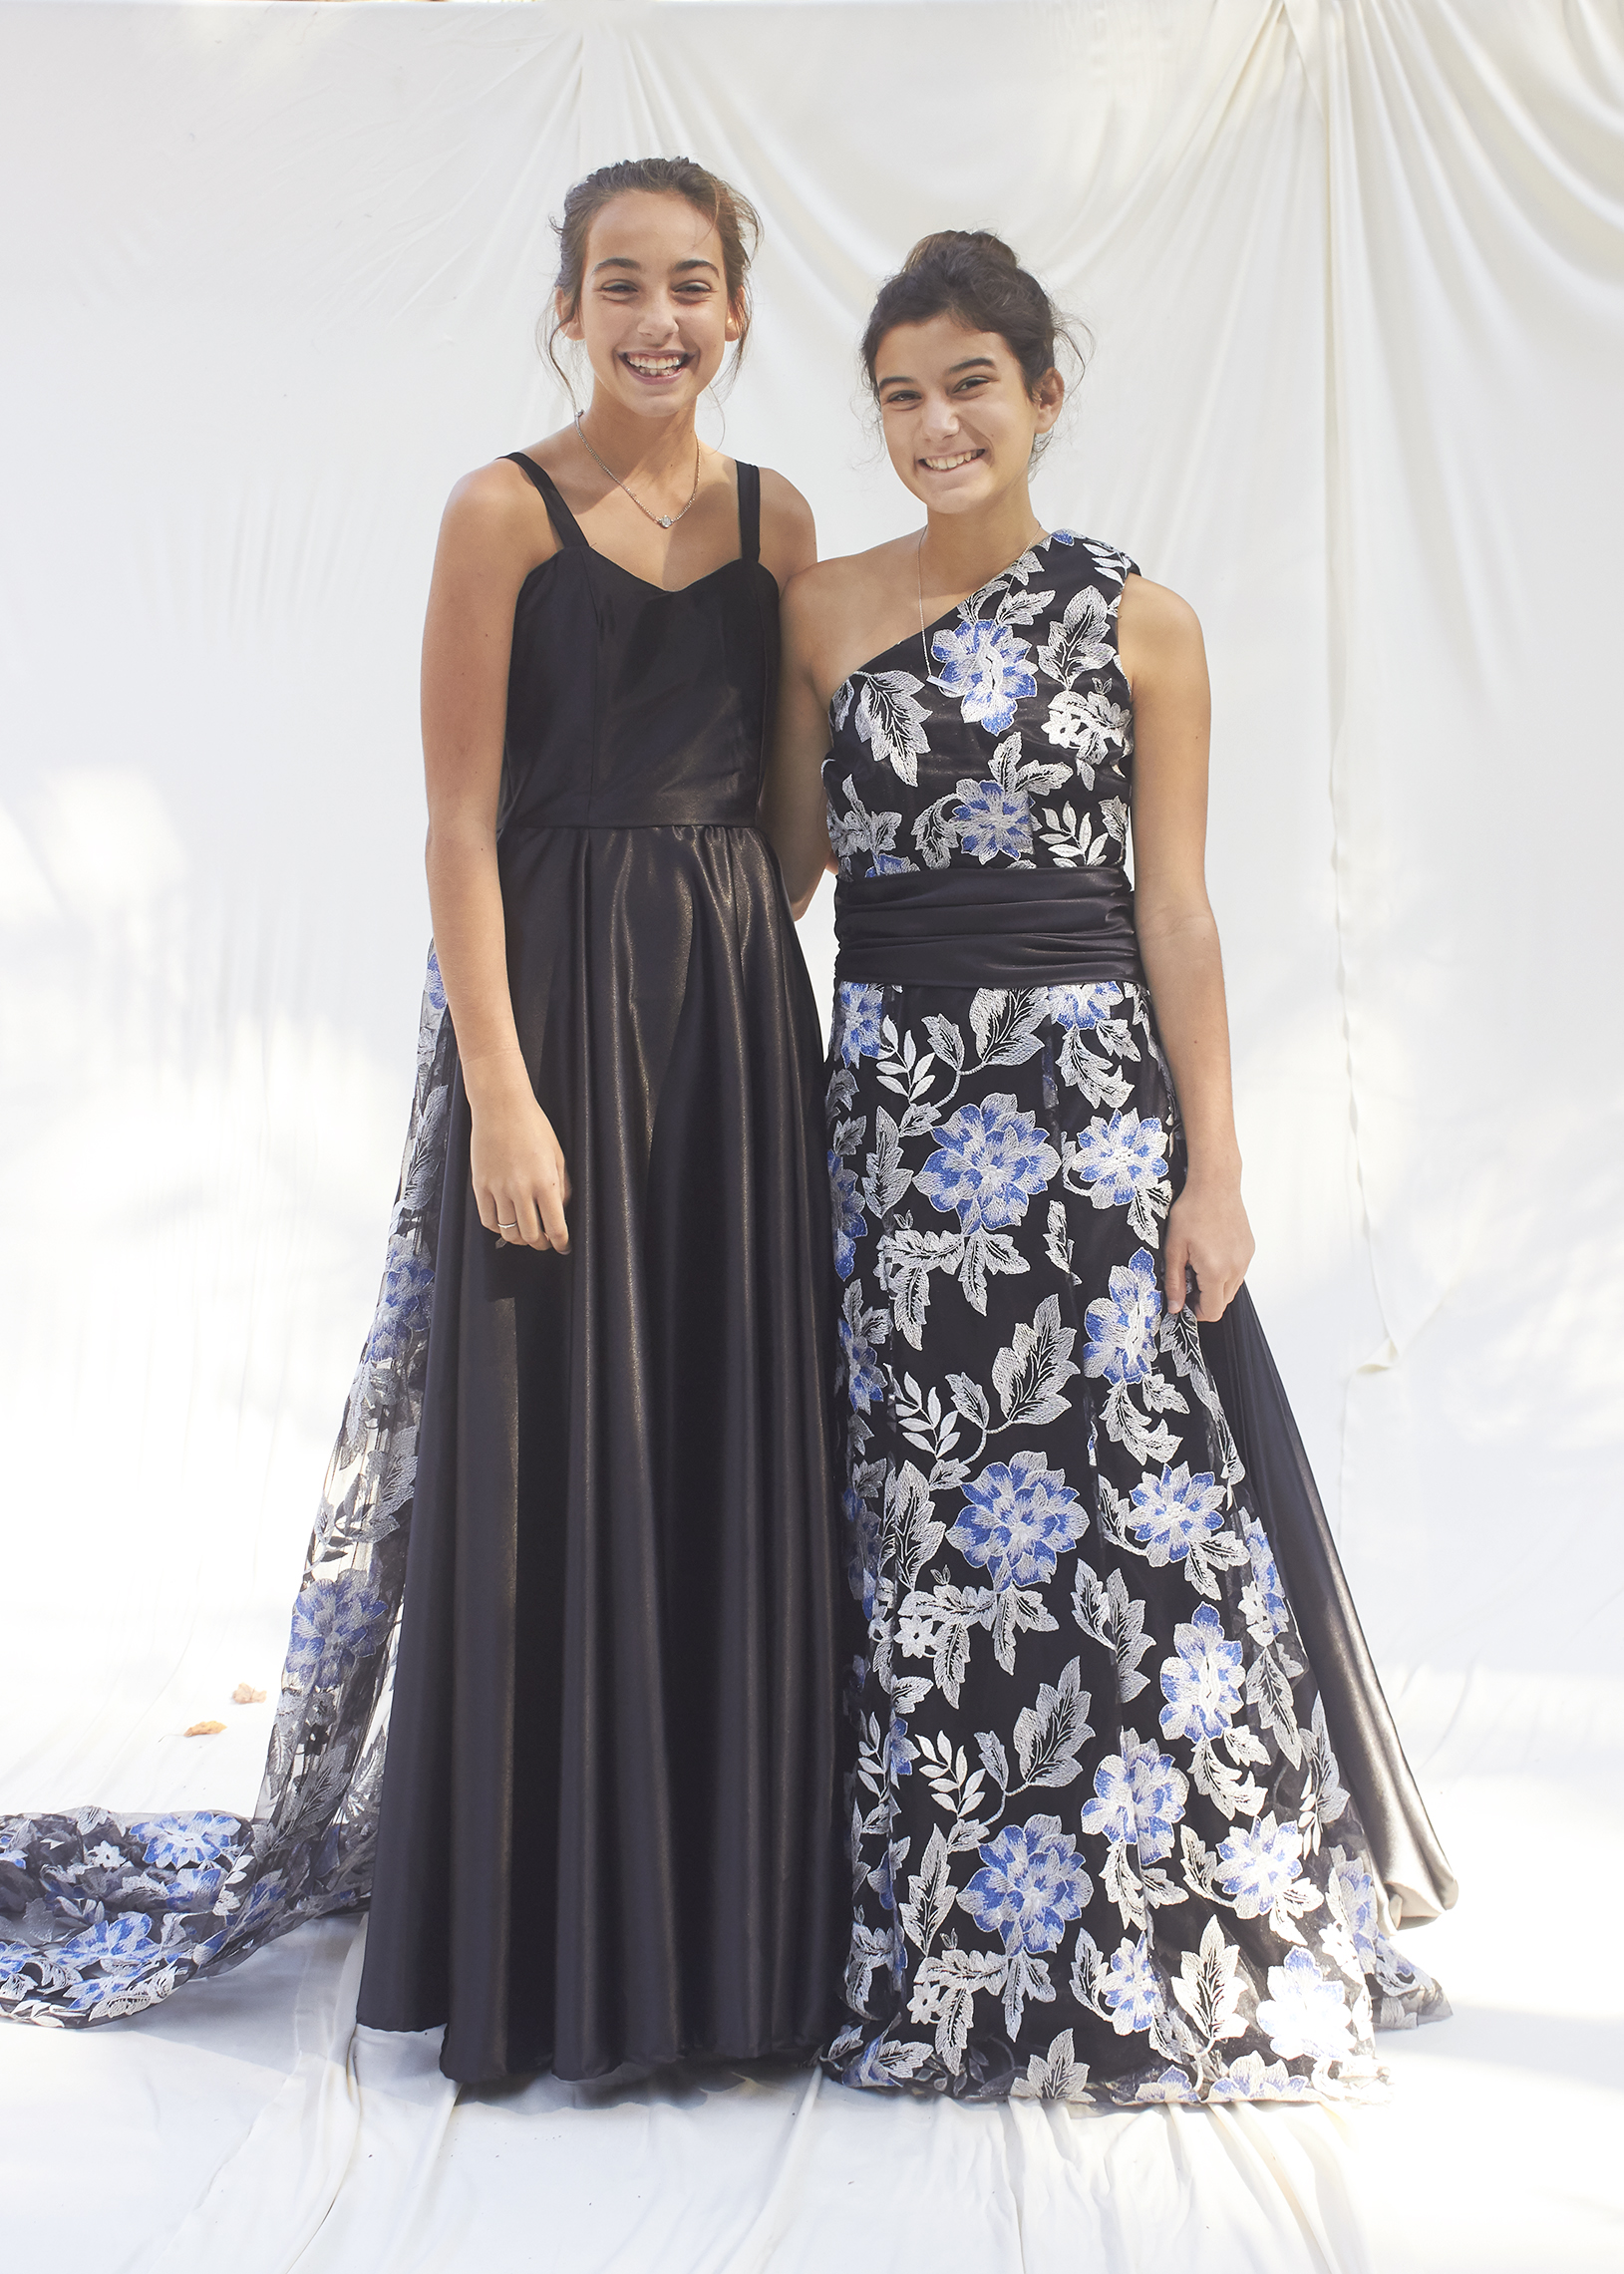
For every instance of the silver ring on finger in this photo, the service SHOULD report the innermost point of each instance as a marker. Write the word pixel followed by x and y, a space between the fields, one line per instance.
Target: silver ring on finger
pixel 512 1228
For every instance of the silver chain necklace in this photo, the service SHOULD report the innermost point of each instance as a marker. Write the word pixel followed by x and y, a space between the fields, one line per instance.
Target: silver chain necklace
pixel 661 521
pixel 919 580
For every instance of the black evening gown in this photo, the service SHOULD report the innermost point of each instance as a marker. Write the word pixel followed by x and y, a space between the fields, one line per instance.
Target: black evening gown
pixel 1130 1816
pixel 608 1820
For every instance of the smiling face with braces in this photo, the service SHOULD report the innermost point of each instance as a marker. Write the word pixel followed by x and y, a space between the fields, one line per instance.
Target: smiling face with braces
pixel 653 308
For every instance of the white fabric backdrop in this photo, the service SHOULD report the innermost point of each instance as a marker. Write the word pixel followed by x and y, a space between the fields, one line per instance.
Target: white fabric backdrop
pixel 1355 271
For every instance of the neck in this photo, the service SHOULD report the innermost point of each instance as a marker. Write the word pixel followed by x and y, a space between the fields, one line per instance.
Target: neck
pixel 963 551
pixel 653 449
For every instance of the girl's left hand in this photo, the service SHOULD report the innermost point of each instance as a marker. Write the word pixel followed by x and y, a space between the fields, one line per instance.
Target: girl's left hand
pixel 1207 1231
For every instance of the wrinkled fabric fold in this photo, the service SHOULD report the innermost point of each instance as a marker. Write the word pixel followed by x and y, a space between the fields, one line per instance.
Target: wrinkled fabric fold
pixel 950 928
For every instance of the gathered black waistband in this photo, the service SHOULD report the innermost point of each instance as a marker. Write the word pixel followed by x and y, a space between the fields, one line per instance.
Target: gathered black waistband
pixel 1012 927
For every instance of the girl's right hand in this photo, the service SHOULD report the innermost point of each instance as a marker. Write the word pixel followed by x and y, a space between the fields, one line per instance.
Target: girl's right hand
pixel 521 1182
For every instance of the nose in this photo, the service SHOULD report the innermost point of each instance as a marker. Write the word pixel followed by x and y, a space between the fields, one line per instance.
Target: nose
pixel 941 421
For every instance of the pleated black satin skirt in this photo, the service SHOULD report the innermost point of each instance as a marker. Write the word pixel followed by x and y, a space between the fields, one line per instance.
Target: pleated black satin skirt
pixel 608 1825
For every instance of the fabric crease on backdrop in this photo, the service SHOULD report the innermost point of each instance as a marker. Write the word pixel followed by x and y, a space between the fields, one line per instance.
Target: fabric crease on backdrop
pixel 1355 274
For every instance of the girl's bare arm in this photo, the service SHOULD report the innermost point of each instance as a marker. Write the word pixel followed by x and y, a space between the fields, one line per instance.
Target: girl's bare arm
pixel 1166 661
pixel 492 535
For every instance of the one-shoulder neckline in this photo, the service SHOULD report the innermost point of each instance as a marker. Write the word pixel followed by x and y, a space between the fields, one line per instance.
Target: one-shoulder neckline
pixel 948 616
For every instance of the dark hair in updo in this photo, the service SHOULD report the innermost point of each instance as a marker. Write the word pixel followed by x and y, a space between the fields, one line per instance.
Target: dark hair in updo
pixel 730 213
pixel 972 277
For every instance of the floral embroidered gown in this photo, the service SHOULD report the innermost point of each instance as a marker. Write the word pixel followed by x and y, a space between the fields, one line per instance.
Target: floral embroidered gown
pixel 1100 1839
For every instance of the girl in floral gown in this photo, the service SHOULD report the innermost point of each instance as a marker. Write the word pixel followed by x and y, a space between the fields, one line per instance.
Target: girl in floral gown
pixel 1127 1815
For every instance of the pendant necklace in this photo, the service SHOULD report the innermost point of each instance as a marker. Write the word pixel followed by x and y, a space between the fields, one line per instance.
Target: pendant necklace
pixel 661 521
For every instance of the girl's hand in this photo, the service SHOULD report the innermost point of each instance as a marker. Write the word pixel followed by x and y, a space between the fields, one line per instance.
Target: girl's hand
pixel 521 1182
pixel 1207 1230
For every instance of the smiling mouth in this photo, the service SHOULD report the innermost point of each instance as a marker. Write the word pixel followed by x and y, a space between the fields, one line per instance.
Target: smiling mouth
pixel 656 366
pixel 950 465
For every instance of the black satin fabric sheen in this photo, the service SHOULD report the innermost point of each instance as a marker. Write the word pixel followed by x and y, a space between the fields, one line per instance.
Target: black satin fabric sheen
pixel 1020 927
pixel 608 1823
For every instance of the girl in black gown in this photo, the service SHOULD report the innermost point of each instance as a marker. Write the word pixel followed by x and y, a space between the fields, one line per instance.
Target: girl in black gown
pixel 593 1399
pixel 606 1812
pixel 1128 1815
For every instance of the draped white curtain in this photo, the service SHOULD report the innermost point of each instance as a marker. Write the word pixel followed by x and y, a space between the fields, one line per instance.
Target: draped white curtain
pixel 1354 271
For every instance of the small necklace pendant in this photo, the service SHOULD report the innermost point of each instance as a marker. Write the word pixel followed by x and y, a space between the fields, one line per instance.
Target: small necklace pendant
pixel 665 520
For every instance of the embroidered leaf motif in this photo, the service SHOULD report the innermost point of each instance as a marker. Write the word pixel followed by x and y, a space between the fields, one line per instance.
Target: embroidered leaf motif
pixel 1018 1611
pixel 1080 641
pixel 1007 1024
pixel 986 1251
pixel 887 1180
pixel 891 722
pixel 1055 2075
pixel 930 1894
pixel 993 1757
pixel 1028 1373
pixel 970 1399
pixel 1047 1736
pixel 1102 1609
pixel 1208 1985
pixel 1268 1691
pixel 1027 1976
pixel 908 1521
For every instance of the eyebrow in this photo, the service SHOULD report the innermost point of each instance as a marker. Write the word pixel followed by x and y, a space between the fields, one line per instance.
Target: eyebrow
pixel 624 260
pixel 970 363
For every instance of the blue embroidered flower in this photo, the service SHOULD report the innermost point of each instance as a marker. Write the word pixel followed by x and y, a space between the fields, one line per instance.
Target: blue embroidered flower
pixel 984 667
pixel 335 1622
pixel 847 1213
pixel 1257 1864
pixel 1121 1328
pixel 859 1010
pixel 1085 1007
pixel 1020 1519
pixel 116 1945
pixel 992 819
pixel 198 1837
pixel 1264 1601
pixel 1138 1798
pixel 434 986
pixel 988 1161
pixel 862 1563
pixel 1202 1683
pixel 860 1332
pixel 1030 1884
pixel 1306 2013
pixel 1173 1509
pixel 1249 2079
pixel 1131 1988
pixel 1119 1158
pixel 1358 1891
pixel 405 1303
pixel 193 1890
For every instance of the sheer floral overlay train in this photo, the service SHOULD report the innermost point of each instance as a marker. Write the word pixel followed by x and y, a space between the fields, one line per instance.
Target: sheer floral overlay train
pixel 1119 1734
pixel 103 1914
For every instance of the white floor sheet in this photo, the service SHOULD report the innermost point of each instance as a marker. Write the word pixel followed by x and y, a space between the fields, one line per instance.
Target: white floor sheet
pixel 1354 271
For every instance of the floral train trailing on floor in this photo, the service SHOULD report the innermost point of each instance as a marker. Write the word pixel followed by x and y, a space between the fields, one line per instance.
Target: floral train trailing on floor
pixel 102 1914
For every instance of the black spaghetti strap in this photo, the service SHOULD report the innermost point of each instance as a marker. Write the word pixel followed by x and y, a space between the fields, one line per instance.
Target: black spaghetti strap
pixel 565 526
pixel 749 511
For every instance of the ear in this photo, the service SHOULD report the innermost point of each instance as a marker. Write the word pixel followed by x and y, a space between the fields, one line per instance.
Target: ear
pixel 1049 397
pixel 569 327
